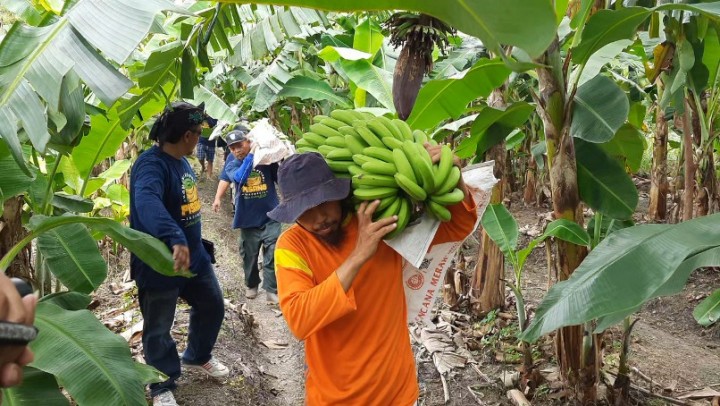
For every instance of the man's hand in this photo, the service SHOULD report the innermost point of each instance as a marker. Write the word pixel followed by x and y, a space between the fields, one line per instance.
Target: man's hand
pixel 216 205
pixel 17 310
pixel 181 255
pixel 370 232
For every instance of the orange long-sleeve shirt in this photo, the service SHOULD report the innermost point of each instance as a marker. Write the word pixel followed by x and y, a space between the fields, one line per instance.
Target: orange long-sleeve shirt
pixel 357 347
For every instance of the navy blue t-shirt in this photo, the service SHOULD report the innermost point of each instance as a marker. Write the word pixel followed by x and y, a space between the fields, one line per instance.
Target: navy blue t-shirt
pixel 256 197
pixel 164 203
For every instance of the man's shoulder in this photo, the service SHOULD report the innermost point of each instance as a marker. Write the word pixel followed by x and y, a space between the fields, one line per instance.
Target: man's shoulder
pixel 292 237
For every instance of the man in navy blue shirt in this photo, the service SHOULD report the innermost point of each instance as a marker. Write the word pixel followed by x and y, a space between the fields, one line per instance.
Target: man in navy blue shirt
pixel 164 203
pixel 256 194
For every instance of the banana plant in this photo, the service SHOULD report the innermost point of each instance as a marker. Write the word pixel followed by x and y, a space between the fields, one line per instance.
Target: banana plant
pixel 502 228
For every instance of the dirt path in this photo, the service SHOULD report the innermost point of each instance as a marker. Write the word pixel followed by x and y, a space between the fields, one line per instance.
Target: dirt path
pixel 267 362
pixel 259 375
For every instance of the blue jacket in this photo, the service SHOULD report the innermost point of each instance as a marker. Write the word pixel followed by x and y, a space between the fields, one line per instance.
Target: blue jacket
pixel 164 203
pixel 256 193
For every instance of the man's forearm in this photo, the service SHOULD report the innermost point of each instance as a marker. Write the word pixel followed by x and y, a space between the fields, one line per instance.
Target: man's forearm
pixel 222 188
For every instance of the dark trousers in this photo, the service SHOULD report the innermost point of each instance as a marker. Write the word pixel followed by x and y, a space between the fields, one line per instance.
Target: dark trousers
pixel 203 294
pixel 251 239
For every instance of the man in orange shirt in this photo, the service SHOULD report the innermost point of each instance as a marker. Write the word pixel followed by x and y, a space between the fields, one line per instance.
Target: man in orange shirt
pixel 341 289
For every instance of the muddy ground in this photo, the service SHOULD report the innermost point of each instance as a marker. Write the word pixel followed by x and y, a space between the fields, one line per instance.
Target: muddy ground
pixel 266 361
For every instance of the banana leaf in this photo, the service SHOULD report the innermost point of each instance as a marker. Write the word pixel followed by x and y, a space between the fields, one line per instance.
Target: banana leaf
pixel 628 268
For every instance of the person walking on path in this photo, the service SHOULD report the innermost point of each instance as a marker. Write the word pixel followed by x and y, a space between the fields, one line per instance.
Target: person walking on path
pixel 206 148
pixel 255 195
pixel 164 203
pixel 341 287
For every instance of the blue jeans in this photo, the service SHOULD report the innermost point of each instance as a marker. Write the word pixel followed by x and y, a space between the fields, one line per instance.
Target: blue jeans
pixel 203 294
pixel 251 239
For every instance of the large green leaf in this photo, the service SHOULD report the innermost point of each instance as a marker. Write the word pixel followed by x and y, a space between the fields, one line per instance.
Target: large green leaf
pixel 305 88
pixel 605 27
pixel 270 28
pixel 38 388
pixel 602 57
pixel 13 180
pixel 708 311
pixel 214 105
pixel 627 146
pixel 527 24
pixel 93 364
pixel 68 300
pixel 602 183
pixel 501 227
pixel 458 59
pixel 105 137
pixel 374 80
pixel 567 230
pixel 439 100
pixel 368 37
pixel 600 108
pixel 72 255
pixel 149 249
pixel 625 270
pixel 34 60
pixel 492 126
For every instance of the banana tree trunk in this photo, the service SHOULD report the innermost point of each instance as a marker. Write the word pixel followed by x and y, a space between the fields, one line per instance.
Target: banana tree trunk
pixel 689 178
pixel 11 232
pixel 579 361
pixel 488 286
pixel 657 209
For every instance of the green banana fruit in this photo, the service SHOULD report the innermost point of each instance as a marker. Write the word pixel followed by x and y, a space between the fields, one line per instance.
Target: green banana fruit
pixel 379 167
pixel 303 150
pixel 413 190
pixel 420 137
pixel 374 193
pixel 389 211
pixel 384 203
pixel 346 116
pixel 339 166
pixel 355 170
pixel 319 118
pixel 392 142
pixel 303 143
pixel 382 154
pixel 404 213
pixel 438 210
pixel 377 127
pixel 370 138
pixel 453 197
pixel 323 130
pixel 348 130
pixel 370 179
pixel 404 129
pixel 314 139
pixel 340 154
pixel 325 150
pixel 391 127
pixel 444 164
pixel 450 182
pixel 403 164
pixel 338 142
pixel 332 123
pixel 354 145
pixel 360 159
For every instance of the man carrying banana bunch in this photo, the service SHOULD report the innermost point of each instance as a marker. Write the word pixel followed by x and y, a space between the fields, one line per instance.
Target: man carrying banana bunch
pixel 341 288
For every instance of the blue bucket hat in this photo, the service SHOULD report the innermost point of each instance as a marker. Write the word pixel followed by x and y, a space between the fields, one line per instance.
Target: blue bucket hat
pixel 306 181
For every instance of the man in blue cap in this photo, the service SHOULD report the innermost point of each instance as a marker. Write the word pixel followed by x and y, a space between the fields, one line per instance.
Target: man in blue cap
pixel 255 195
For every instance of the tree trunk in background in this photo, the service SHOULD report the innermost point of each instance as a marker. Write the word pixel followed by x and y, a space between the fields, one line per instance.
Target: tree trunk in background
pixel 657 209
pixel 579 367
pixel 488 287
pixel 689 178
pixel 11 232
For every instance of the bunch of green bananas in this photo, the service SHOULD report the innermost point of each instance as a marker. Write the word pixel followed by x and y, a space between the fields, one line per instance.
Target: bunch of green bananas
pixel 386 161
